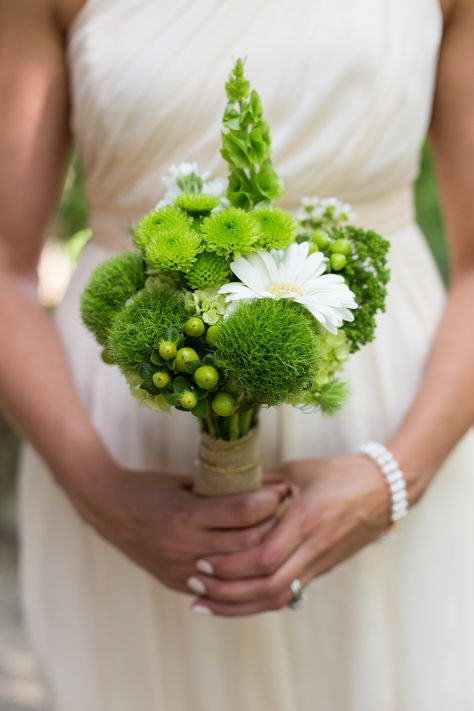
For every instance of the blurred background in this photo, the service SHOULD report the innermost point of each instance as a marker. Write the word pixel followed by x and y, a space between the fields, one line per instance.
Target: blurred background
pixel 21 688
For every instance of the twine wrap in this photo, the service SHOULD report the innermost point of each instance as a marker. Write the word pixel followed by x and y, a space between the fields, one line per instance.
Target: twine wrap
pixel 228 467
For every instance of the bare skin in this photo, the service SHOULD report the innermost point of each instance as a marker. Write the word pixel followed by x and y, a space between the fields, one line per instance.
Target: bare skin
pixel 155 520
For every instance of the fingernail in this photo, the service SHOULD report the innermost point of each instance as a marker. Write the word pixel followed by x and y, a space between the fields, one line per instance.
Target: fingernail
pixel 201 609
pixel 205 567
pixel 196 585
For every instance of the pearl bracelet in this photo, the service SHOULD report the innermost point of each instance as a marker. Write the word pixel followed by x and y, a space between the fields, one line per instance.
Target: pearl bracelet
pixel 394 477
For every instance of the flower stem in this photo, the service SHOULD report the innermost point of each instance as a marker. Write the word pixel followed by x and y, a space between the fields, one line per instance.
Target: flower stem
pixel 210 425
pixel 234 426
pixel 245 421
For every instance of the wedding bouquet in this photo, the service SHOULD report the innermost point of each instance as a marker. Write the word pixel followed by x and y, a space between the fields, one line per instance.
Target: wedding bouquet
pixel 230 304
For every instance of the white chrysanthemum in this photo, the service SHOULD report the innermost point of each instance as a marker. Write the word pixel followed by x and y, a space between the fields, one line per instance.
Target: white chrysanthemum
pixel 331 208
pixel 293 274
pixel 187 175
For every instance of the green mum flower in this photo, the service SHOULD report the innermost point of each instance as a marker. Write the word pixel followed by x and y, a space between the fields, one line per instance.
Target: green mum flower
pixel 166 219
pixel 278 228
pixel 231 230
pixel 173 249
pixel 197 204
pixel 209 269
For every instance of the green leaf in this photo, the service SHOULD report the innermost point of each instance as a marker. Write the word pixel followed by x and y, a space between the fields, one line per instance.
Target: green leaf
pixel 255 105
pixel 173 335
pixel 180 385
pixel 191 366
pixel 172 398
pixel 149 387
pixel 235 149
pixel 156 359
pixel 202 409
pixel 146 371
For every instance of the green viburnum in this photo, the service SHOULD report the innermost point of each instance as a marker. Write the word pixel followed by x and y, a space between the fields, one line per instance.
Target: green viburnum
pixel 278 228
pixel 206 303
pixel 267 349
pixel 111 284
pixel 197 204
pixel 142 324
pixel 367 275
pixel 173 249
pixel 246 145
pixel 209 269
pixel 230 231
pixel 168 219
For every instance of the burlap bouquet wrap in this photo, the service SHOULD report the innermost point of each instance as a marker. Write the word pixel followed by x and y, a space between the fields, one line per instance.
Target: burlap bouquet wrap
pixel 228 467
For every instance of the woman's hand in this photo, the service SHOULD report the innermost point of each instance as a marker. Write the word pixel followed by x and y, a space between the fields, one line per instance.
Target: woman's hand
pixel 339 505
pixel 158 523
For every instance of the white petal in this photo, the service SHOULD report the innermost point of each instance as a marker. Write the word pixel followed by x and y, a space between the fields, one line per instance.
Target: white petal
pixel 248 273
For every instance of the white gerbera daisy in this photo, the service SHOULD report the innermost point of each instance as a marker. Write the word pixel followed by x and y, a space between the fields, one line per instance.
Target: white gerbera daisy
pixel 186 177
pixel 293 274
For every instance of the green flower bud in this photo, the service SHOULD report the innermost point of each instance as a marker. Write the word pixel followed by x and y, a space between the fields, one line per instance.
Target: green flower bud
pixel 211 334
pixel 183 357
pixel 224 404
pixel 337 261
pixel 161 378
pixel 341 246
pixel 194 326
pixel 167 350
pixel 206 377
pixel 188 400
pixel 321 238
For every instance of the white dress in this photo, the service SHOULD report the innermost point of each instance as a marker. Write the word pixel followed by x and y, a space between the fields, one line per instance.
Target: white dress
pixel 347 88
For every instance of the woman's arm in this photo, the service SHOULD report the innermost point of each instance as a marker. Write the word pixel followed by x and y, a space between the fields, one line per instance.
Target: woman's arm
pixel 343 502
pixel 154 519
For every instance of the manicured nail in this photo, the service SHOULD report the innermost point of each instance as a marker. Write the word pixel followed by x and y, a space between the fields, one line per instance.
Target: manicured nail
pixel 196 585
pixel 201 609
pixel 205 567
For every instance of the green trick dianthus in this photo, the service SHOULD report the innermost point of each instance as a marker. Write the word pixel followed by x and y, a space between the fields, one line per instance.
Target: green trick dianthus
pixel 278 228
pixel 173 249
pixel 165 219
pixel 267 349
pixel 197 204
pixel 111 284
pixel 142 324
pixel 231 230
pixel 209 269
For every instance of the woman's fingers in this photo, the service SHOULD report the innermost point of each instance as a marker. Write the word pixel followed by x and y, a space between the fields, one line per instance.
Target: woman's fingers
pixel 239 510
pixel 263 559
pixel 233 541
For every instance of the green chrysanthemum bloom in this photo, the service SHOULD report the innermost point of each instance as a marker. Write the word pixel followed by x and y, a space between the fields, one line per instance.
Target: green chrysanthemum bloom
pixel 197 204
pixel 268 350
pixel 112 283
pixel 141 324
pixel 278 228
pixel 231 230
pixel 173 249
pixel 166 219
pixel 209 269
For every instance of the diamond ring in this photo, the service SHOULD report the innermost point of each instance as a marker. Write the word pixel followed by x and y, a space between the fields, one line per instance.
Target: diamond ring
pixel 297 592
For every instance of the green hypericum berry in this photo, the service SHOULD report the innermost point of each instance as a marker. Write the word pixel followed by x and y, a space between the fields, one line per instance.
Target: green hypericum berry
pixel 321 238
pixel 224 404
pixel 107 356
pixel 206 377
pixel 341 246
pixel 161 378
pixel 194 326
pixel 167 350
pixel 313 248
pixel 183 357
pixel 211 334
pixel 188 400
pixel 337 261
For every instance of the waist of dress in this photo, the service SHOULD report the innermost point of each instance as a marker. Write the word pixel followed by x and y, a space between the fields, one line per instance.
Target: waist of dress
pixel 387 214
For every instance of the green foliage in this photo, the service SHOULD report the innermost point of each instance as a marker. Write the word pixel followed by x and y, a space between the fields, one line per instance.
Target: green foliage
pixel 267 349
pixel 141 326
pixel 246 145
pixel 209 269
pixel 367 275
pixel 278 228
pixel 111 284
pixel 165 219
pixel 196 204
pixel 230 231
